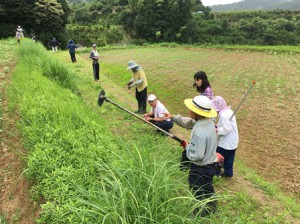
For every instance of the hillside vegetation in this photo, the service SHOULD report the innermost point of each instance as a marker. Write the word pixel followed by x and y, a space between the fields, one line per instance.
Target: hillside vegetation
pixel 108 22
pixel 92 164
pixel 258 5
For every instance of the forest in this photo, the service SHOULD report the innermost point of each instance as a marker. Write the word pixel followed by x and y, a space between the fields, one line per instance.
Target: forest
pixel 121 22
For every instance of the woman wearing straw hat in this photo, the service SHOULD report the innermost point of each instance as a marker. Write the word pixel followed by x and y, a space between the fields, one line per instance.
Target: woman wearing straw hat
pixel 139 81
pixel 201 151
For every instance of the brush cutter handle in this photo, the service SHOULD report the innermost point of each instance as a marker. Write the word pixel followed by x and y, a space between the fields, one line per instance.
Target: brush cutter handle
pixel 148 122
pixel 242 100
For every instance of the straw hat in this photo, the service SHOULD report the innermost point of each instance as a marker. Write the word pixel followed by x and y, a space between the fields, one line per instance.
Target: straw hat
pixel 201 105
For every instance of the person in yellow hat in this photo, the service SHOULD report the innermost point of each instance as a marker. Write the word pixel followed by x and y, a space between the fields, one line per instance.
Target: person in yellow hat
pixel 201 151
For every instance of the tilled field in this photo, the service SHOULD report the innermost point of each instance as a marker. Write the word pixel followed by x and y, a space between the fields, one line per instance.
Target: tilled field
pixel 268 120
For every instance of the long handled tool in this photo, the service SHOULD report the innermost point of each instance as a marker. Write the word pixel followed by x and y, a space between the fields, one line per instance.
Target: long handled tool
pixel 103 98
pixel 242 100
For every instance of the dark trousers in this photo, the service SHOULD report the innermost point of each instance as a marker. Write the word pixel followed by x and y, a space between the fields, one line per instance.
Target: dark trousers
pixel 165 125
pixel 141 97
pixel 96 68
pixel 228 160
pixel 73 57
pixel 201 183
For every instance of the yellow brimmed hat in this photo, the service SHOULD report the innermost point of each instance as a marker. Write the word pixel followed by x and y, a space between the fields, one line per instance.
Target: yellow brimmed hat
pixel 201 105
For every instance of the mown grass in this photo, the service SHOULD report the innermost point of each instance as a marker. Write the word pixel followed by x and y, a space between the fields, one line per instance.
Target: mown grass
pixel 96 165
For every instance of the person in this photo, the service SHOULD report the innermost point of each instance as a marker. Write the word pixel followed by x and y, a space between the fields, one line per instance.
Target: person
pixel 18 36
pixel 72 46
pixel 94 55
pixel 19 28
pixel 34 38
pixel 54 43
pixel 202 84
pixel 228 136
pixel 139 81
pixel 156 115
pixel 201 151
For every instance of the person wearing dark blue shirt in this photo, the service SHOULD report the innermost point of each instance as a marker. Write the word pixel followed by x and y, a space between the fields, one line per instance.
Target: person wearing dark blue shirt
pixel 72 46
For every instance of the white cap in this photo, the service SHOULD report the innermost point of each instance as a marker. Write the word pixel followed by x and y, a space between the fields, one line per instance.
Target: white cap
pixel 151 97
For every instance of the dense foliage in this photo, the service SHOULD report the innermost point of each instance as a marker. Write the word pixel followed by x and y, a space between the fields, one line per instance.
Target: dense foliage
pixel 44 18
pixel 99 34
pixel 277 27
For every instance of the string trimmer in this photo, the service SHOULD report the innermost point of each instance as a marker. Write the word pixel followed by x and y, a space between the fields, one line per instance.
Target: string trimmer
pixel 103 98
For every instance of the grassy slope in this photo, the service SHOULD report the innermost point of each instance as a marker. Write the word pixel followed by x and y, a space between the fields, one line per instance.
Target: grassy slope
pixel 248 208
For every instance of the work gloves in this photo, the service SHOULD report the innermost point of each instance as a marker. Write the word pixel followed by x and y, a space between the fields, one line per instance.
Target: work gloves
pixel 184 144
pixel 130 84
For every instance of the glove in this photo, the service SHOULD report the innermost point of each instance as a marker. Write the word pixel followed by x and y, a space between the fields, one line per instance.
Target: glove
pixel 129 83
pixel 220 158
pixel 184 144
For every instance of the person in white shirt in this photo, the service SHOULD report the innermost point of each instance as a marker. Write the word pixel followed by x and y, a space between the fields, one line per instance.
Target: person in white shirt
pixel 156 115
pixel 228 136
pixel 94 55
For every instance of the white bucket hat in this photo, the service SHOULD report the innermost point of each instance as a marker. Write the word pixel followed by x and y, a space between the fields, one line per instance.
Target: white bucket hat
pixel 132 64
pixel 151 97
pixel 201 105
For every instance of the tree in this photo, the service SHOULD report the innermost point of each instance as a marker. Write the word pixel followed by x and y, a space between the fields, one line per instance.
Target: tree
pixel 14 13
pixel 147 17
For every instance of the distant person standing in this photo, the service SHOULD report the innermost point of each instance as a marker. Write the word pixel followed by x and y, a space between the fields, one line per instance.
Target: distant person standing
pixel 94 55
pixel 54 43
pixel 21 31
pixel 34 38
pixel 72 46
pixel 18 36
pixel 202 84
pixel 139 81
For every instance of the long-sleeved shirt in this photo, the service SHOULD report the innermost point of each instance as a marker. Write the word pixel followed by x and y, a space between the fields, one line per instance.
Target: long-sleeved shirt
pixel 228 136
pixel 139 79
pixel 208 92
pixel 203 143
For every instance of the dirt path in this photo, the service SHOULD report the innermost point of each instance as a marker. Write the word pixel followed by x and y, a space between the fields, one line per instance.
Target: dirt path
pixel 15 203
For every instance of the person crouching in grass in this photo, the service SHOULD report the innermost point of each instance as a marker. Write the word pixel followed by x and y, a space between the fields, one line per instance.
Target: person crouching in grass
pixel 156 115
pixel 201 151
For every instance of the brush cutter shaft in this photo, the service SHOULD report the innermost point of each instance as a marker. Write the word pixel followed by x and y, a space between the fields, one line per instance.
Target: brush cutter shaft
pixel 148 122
pixel 242 100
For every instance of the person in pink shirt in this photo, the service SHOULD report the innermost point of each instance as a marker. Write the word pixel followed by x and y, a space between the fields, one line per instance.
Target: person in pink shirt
pixel 202 84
